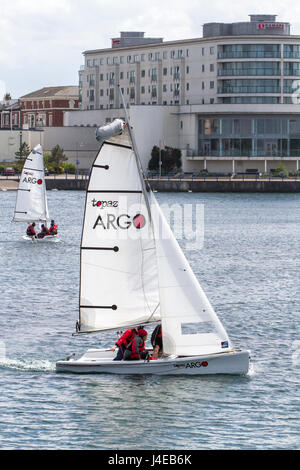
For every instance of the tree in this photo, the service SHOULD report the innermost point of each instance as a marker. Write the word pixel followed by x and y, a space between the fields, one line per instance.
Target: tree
pixel 57 157
pixel 170 159
pixel 22 153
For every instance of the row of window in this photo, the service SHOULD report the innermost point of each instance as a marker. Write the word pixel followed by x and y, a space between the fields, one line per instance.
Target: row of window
pixel 240 127
pixel 116 60
pixel 236 51
pixel 131 75
pixel 259 68
pixel 249 147
pixel 258 86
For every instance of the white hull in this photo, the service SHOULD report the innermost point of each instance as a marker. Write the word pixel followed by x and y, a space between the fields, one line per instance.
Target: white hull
pixel 47 238
pixel 100 361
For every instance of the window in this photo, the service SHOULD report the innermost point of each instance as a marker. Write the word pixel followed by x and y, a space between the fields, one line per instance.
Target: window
pixel 128 59
pixel 142 90
pixel 187 87
pixel 101 61
pixel 115 60
pixel 136 58
pixel 212 50
pixel 211 85
pixel 121 59
pixel 172 54
pixel 212 100
pixel 143 73
pixel 212 67
pixel 187 52
pixel 187 69
pixel 142 57
pixel 203 51
pixel 203 68
pixel 121 75
pixel 165 71
pixel 101 77
pixel 164 87
pixel 150 56
pixel 165 55
pixel 101 92
pixel 202 85
pixel 157 55
pixel 179 54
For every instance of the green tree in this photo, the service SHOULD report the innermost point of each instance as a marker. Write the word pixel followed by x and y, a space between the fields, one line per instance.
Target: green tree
pixel 22 153
pixel 170 159
pixel 57 157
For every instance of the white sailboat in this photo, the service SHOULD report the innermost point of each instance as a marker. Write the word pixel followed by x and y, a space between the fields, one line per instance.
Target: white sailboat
pixel 31 204
pixel 133 275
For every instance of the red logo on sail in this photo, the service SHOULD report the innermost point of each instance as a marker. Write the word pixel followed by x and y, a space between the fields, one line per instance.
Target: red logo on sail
pixel 39 181
pixel 139 221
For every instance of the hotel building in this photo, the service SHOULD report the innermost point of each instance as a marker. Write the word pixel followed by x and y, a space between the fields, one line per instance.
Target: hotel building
pixel 228 100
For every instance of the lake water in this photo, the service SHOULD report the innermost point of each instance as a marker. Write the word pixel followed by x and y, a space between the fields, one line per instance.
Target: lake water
pixel 249 269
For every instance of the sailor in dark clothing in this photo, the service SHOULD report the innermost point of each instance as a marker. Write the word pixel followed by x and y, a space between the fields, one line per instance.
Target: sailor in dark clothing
pixel 136 349
pixel 156 341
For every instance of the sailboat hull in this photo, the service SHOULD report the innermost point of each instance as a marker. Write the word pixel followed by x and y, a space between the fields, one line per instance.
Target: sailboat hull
pixel 97 361
pixel 48 238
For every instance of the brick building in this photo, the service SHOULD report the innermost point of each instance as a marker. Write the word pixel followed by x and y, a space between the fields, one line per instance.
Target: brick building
pixel 45 107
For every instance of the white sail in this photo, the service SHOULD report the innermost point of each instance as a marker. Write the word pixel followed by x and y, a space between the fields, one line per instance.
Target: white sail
pixel 189 324
pixel 119 281
pixel 31 204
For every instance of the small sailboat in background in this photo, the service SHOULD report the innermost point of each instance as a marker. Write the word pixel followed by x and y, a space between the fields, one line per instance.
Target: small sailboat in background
pixel 133 275
pixel 31 204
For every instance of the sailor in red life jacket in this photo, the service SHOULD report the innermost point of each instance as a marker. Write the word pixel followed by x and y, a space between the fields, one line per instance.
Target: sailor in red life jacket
pixel 123 342
pixel 53 228
pixel 136 349
pixel 31 230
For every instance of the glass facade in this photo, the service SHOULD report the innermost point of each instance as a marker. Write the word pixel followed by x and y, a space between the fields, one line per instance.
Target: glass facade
pixel 249 137
pixel 244 51
pixel 249 68
pixel 249 100
pixel 249 86
pixel 291 51
pixel 291 68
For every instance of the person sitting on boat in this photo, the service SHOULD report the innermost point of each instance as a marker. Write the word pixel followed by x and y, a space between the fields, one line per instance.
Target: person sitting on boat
pixel 44 231
pixel 31 230
pixel 136 349
pixel 156 341
pixel 124 341
pixel 53 228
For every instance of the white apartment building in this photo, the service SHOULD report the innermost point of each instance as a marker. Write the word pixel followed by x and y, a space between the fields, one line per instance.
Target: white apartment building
pixel 228 99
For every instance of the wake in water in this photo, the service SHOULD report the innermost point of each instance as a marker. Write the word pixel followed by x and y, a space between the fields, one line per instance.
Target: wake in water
pixel 27 365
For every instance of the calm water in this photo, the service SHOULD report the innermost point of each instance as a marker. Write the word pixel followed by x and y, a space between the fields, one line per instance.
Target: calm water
pixel 249 268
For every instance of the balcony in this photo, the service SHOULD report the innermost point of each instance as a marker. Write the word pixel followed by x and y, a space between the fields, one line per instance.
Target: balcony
pixel 249 55
pixel 176 76
pixel 132 80
pixel 248 72
pixel 248 89
pixel 153 78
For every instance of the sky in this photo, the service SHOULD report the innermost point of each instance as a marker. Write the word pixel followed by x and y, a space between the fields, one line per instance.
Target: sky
pixel 41 41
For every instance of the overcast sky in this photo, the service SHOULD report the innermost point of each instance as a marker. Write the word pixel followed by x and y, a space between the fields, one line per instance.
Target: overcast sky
pixel 41 41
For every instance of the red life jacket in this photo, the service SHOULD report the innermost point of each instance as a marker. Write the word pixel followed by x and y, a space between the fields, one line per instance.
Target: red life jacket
pixel 30 230
pixel 53 229
pixel 126 338
pixel 136 353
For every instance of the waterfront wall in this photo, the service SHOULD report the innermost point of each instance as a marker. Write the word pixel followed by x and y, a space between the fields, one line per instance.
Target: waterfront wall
pixel 247 186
